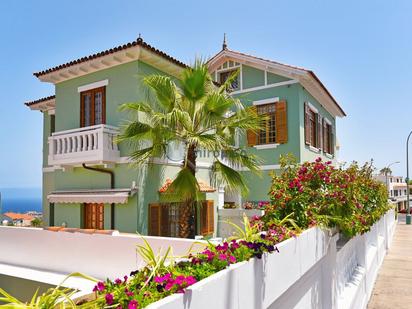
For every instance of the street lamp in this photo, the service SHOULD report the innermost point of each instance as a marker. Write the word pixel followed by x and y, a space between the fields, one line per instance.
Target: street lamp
pixel 408 214
pixel 386 172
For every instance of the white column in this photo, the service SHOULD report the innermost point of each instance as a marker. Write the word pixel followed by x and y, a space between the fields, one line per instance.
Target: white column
pixel 221 197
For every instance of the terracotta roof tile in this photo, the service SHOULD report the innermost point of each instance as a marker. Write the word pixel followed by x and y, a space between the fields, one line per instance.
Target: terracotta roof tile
pixel 18 216
pixel 138 42
pixel 40 100
pixel 204 187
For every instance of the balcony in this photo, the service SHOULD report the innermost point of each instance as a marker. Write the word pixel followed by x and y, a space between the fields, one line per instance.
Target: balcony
pixel 95 144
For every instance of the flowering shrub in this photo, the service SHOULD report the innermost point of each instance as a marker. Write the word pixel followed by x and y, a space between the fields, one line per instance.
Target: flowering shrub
pixel 317 193
pixel 301 196
pixel 142 288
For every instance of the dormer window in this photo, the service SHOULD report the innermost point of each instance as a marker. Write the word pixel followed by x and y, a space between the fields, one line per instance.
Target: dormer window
pixel 234 85
pixel 226 70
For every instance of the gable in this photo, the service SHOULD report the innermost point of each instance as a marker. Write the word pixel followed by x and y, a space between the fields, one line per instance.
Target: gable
pixel 274 74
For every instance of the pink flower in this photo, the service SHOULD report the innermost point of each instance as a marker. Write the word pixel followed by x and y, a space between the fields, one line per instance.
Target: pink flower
pixel 133 304
pixel 109 299
pixel 232 259
pixel 190 280
pixel 222 257
pixel 179 280
pixel 99 287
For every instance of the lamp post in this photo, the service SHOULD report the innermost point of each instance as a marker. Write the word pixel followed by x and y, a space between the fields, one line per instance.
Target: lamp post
pixel 386 173
pixel 408 214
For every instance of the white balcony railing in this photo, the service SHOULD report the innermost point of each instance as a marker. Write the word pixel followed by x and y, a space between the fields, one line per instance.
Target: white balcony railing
pixel 95 144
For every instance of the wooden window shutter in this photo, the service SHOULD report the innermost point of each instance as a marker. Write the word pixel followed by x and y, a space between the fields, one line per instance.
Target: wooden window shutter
pixel 251 135
pixel 154 219
pixel 210 217
pixel 207 218
pixel 164 221
pixel 319 130
pixel 307 124
pixel 281 122
pixel 325 135
pixel 332 141
pixel 203 219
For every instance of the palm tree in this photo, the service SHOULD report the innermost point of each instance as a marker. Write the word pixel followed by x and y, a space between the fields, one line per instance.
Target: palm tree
pixel 385 171
pixel 195 114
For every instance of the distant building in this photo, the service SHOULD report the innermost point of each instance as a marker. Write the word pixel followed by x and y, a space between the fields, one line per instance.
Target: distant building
pixel 4 220
pixel 18 219
pixel 396 189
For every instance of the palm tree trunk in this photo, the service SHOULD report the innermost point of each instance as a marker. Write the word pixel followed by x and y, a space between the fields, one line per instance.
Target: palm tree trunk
pixel 187 217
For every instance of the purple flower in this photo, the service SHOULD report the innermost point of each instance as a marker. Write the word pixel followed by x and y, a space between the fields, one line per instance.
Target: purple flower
pixel 109 299
pixel 125 279
pixel 133 304
pixel 118 281
pixel 129 294
pixel 234 244
pixel 232 259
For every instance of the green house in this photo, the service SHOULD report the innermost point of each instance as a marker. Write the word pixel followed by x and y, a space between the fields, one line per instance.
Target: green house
pixel 88 182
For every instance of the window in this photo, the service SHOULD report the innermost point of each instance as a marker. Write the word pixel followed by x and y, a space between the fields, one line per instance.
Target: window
pixel 93 107
pixel 52 124
pixel 164 218
pixel 275 125
pixel 225 75
pixel 313 127
pixel 268 135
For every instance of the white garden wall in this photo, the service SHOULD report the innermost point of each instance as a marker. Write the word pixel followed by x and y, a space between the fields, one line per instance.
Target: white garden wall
pixel 315 270
pixel 97 255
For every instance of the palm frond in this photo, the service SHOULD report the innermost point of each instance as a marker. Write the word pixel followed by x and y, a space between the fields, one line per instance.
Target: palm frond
pixel 165 90
pixel 222 174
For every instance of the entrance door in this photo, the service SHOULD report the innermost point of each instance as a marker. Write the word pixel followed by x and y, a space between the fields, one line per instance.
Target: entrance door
pixel 94 216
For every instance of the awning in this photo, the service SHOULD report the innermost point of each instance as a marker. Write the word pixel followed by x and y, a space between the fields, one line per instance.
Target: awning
pixel 109 196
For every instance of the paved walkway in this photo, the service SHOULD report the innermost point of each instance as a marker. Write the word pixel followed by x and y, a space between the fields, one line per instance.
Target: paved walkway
pixel 393 287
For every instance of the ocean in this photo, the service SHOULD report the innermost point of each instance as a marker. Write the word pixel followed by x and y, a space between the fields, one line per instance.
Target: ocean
pixel 20 200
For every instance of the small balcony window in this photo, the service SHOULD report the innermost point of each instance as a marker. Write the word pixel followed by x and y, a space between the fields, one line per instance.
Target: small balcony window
pixel 93 107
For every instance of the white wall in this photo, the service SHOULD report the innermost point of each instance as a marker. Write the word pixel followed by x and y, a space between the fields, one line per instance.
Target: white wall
pixel 317 269
pixel 100 256
pixel 314 270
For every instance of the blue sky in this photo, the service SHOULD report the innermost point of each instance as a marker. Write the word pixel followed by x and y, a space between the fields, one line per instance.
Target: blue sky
pixel 361 50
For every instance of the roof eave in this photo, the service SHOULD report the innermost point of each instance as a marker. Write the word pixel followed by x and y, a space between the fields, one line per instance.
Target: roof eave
pixel 137 50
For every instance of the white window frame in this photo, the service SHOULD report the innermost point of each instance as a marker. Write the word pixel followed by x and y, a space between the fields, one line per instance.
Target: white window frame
pixel 94 85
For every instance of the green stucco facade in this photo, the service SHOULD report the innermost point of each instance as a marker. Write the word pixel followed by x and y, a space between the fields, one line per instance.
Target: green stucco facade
pixel 125 85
